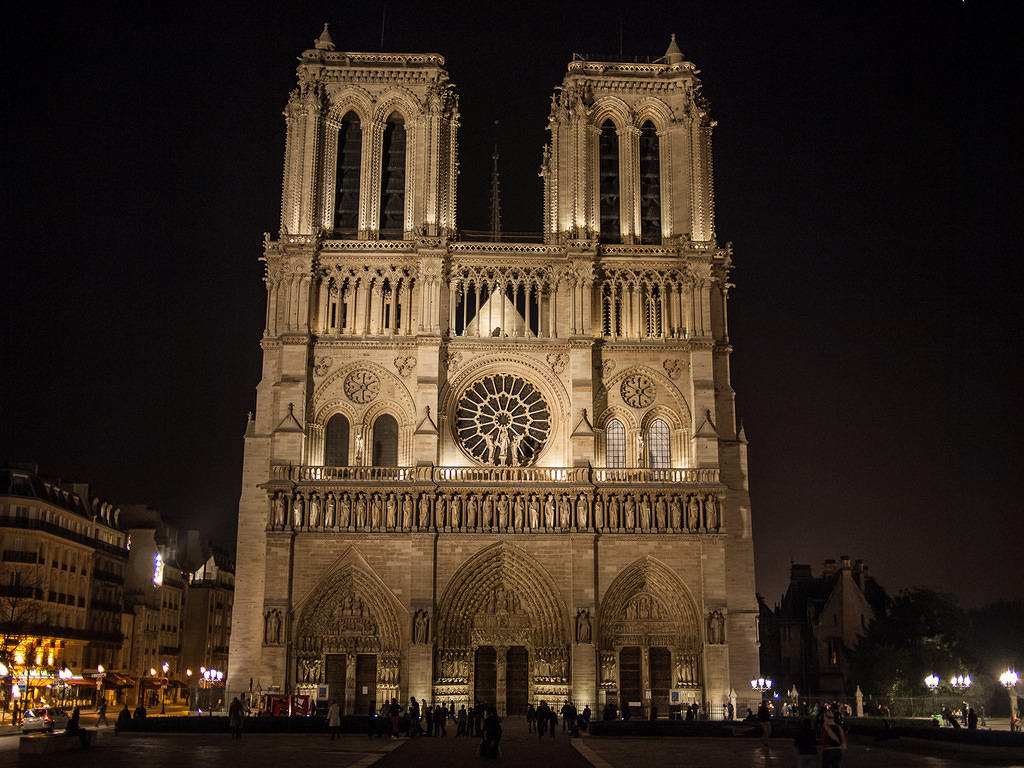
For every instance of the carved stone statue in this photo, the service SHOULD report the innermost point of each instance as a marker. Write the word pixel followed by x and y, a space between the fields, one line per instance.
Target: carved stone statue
pixel 583 631
pixel 471 510
pixel 534 512
pixel 677 513
pixel 456 517
pixel 298 510
pixel 599 512
pixel 711 512
pixel 361 511
pixel 391 511
pixel 645 513
pixel 564 512
pixel 518 509
pixel 332 511
pixel 502 512
pixel 549 512
pixel 420 626
pixel 314 511
pixel 440 506
pixel 630 507
pixel 613 512
pixel 280 505
pixel 272 627
pixel 406 511
pixel 375 511
pixel 487 518
pixel 345 518
pixel 716 628
pixel 692 514
pixel 661 513
pixel 423 512
pixel 581 512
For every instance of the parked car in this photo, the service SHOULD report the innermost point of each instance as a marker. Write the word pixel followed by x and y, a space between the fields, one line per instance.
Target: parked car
pixel 44 719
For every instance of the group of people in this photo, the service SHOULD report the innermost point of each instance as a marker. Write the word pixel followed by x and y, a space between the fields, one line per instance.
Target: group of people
pixel 431 720
pixel 966 715
pixel 543 719
pixel 827 739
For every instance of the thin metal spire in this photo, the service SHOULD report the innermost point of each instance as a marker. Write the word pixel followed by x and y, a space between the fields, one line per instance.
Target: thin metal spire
pixel 495 191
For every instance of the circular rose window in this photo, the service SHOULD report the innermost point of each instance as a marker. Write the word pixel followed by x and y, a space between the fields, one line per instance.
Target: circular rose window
pixel 502 420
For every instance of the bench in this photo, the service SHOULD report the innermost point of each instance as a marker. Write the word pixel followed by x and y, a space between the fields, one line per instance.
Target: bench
pixel 51 743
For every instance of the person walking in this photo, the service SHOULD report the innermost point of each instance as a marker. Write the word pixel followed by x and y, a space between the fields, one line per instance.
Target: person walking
pixel 833 741
pixel 491 735
pixel 460 722
pixel 235 718
pixel 414 718
pixel 542 716
pixel 334 720
pixel 531 718
pixel 806 743
pixel 764 717
pixel 393 712
pixel 101 713
pixel 441 721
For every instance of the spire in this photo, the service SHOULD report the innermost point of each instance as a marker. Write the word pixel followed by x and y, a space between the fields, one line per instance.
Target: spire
pixel 673 55
pixel 495 192
pixel 324 42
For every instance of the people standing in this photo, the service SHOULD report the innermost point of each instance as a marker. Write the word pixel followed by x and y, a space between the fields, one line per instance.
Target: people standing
pixel 833 741
pixel 235 718
pixel 460 722
pixel 543 714
pixel 334 720
pixel 491 734
pixel 393 712
pixel 764 717
pixel 441 720
pixel 414 718
pixel 531 718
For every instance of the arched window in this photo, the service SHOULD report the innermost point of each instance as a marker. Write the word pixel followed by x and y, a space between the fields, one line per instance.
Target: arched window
pixel 650 185
pixel 615 444
pixel 385 441
pixel 336 442
pixel 659 449
pixel 346 178
pixel 392 179
pixel 608 171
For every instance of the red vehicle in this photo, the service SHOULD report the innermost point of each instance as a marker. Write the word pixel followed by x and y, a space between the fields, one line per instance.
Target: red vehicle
pixel 284 705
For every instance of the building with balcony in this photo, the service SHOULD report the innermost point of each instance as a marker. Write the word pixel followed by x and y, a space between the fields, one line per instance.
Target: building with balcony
pixel 62 571
pixel 497 471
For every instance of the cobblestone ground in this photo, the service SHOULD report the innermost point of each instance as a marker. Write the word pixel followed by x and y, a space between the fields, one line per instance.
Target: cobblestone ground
pixel 518 749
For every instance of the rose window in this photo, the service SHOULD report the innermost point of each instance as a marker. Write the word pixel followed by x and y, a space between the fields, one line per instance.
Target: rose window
pixel 502 420
pixel 638 391
pixel 362 386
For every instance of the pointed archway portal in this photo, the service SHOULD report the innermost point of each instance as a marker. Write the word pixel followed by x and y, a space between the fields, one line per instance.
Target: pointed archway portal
pixel 348 636
pixel 501 610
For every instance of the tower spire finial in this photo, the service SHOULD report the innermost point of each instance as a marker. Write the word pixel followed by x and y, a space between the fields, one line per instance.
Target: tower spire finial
pixel 324 42
pixel 673 55
pixel 495 191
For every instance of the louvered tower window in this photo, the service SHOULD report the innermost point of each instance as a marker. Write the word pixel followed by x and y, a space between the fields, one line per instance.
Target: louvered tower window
pixel 650 185
pixel 609 183
pixel 346 179
pixel 392 181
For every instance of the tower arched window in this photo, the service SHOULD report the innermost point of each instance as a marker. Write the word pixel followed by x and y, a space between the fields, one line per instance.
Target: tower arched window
pixel 346 177
pixel 385 441
pixel 615 444
pixel 392 179
pixel 659 449
pixel 650 184
pixel 608 171
pixel 336 442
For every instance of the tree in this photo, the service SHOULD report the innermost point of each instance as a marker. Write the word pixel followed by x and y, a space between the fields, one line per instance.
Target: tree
pixel 923 632
pixel 21 613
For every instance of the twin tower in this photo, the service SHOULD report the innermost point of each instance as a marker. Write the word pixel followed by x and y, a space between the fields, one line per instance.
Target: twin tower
pixel 495 471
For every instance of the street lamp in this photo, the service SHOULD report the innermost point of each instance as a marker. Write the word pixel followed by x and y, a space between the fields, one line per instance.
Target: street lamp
pixel 932 681
pixel 961 683
pixel 163 689
pixel 1009 681
pixel 761 685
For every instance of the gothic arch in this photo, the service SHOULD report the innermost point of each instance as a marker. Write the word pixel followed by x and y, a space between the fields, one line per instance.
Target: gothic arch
pixel 352 99
pixel 538 617
pixel 648 604
pixel 612 386
pixel 350 610
pixel 623 414
pixel 655 110
pixel 393 389
pixel 611 108
pixel 400 100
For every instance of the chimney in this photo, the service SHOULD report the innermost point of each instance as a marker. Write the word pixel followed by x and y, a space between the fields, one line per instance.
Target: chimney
pixel 830 567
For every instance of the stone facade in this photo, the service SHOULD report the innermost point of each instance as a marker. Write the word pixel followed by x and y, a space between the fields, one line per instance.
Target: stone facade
pixel 502 471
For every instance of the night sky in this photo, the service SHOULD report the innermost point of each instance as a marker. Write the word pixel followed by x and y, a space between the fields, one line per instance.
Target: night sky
pixel 867 170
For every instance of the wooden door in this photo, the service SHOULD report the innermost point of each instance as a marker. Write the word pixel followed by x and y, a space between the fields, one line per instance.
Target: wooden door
pixel 517 680
pixel 485 675
pixel 630 681
pixel 661 678
pixel 366 683
pixel 334 675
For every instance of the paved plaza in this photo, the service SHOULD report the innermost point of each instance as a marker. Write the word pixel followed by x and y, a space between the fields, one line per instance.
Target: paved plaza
pixel 518 749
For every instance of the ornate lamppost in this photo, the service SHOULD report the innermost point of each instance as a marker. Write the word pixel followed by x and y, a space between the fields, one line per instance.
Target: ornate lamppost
pixel 1009 681
pixel 962 683
pixel 163 689
pixel 932 681
pixel 762 685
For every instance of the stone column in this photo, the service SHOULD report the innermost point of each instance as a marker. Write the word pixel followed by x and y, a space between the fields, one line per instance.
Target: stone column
pixel 501 695
pixel 645 677
pixel 350 685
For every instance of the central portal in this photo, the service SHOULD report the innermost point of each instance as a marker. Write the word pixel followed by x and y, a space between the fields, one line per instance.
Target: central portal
pixel 517 677
pixel 366 683
pixel 485 675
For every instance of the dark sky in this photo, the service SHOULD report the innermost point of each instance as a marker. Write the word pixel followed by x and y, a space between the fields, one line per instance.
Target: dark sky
pixel 867 170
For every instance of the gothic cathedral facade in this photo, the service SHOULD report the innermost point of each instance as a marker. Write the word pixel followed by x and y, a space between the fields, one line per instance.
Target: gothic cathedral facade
pixel 495 471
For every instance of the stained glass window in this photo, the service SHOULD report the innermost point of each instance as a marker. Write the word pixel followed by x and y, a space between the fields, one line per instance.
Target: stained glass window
pixel 615 444
pixel 658 447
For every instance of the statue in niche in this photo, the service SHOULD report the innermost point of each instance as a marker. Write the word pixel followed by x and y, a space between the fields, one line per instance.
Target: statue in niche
pixel 391 511
pixel 599 512
pixel 711 512
pixel 456 516
pixel 487 518
pixel 345 518
pixel 440 504
pixel 361 511
pixel 502 512
pixel 607 667
pixel 549 511
pixel 692 514
pixel 613 512
pixel 645 512
pixel 298 510
pixel 280 507
pixel 359 450
pixel 534 512
pixel 423 512
pixel 471 510
pixel 375 510
pixel 581 512
pixel 488 448
pixel 716 628
pixel 517 440
pixel 420 627
pixel 583 630
pixel 332 511
pixel 518 509
pixel 564 512
pixel 406 511
pixel 630 508
pixel 272 627
pixel 661 513
pixel 677 513
pixel 314 511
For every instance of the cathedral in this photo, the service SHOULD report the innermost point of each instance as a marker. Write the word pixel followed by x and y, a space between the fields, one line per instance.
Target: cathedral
pixel 495 471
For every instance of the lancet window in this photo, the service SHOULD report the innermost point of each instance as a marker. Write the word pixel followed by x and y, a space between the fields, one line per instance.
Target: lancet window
pixel 659 449
pixel 346 184
pixel 392 181
pixel 650 184
pixel 511 302
pixel 385 441
pixel 615 444
pixel 336 442
pixel 609 183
